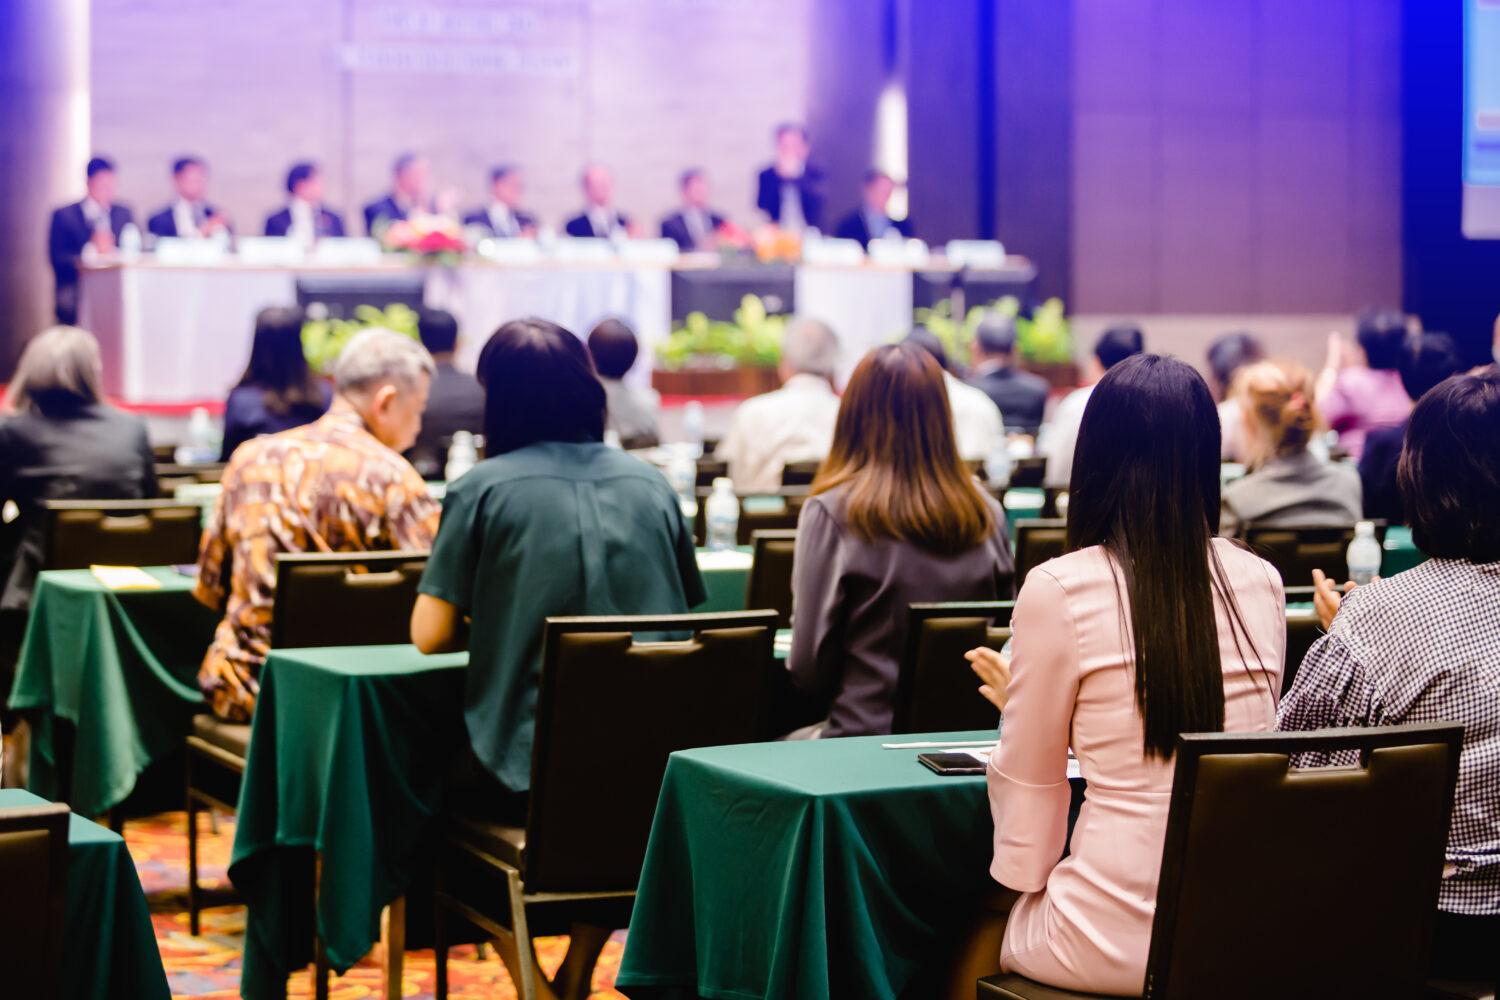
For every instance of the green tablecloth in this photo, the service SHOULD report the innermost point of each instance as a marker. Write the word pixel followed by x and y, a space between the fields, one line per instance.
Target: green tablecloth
pixel 348 752
pixel 1401 553
pixel 120 667
pixel 805 870
pixel 111 951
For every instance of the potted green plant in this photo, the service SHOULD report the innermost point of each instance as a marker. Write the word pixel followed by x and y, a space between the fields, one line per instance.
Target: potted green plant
pixel 323 337
pixel 738 357
pixel 1044 340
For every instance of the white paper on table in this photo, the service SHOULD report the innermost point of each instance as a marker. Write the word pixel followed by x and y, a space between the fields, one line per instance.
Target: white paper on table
pixel 724 559
pixel 125 578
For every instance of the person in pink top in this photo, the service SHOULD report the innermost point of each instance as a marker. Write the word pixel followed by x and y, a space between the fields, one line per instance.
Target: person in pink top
pixel 1148 627
pixel 1358 395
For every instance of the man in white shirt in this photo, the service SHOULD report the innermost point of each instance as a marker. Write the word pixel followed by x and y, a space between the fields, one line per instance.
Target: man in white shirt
pixel 792 424
pixel 305 219
pixel 978 427
pixel 599 219
pixel 190 216
pixel 1059 438
pixel 503 217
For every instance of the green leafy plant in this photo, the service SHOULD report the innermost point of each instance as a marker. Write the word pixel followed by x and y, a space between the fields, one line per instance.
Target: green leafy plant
pixel 751 339
pixel 1045 336
pixel 323 337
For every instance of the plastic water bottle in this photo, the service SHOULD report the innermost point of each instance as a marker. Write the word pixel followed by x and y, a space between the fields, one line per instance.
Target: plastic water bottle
pixel 612 439
pixel 461 455
pixel 723 516
pixel 1364 554
pixel 692 427
pixel 200 446
pixel 997 465
pixel 682 473
pixel 130 241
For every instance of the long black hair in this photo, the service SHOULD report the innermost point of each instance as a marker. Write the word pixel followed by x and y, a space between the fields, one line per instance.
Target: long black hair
pixel 277 364
pixel 539 385
pixel 1145 486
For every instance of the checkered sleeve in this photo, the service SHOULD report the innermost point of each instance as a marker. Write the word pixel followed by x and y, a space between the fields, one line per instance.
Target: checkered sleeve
pixel 1332 689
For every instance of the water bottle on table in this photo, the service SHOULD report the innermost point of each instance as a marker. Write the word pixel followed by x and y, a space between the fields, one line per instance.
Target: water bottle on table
pixel 1364 554
pixel 682 473
pixel 723 516
pixel 692 427
pixel 462 454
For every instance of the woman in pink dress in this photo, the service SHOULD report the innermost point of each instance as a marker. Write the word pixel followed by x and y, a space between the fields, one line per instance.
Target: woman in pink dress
pixel 1148 627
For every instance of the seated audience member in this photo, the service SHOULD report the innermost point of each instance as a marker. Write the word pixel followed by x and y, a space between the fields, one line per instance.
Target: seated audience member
pixel 190 215
pixel 872 220
pixel 278 391
pixel 338 484
pixel 1227 355
pixel 978 425
pixel 599 219
pixel 1287 486
pixel 553 522
pixel 305 219
pixel 894 519
pixel 1421 647
pixel 1360 391
pixel 790 190
pixel 613 346
pixel 1147 628
pixel 456 402
pixel 411 191
pixel 694 226
pixel 61 442
pixel 503 216
pixel 792 424
pixel 1058 438
pixel 95 221
pixel 1021 396
pixel 1425 360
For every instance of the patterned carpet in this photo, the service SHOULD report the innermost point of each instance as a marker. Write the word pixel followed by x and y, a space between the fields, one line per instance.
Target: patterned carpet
pixel 209 966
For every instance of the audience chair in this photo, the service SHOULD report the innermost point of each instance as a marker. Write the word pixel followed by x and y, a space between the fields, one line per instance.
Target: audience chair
pixel 800 473
pixel 1028 472
pixel 604 696
pixel 710 469
pixel 936 690
pixel 1254 844
pixel 322 599
pixel 84 533
pixel 1037 540
pixel 1296 552
pixel 34 872
pixel 758 512
pixel 770 581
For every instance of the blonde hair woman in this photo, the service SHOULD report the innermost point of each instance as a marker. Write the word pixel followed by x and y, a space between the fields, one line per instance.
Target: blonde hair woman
pixel 1287 487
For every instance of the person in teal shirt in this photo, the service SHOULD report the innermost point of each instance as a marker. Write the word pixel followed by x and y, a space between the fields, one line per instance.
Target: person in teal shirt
pixel 553 522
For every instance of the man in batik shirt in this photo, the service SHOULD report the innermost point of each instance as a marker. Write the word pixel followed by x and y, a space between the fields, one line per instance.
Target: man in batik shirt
pixel 336 485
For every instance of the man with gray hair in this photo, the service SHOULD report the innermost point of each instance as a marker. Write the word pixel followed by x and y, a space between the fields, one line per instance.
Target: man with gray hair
pixel 792 424
pixel 338 484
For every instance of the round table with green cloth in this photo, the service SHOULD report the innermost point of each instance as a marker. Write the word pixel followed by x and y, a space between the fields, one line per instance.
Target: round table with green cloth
pixel 806 870
pixel 110 947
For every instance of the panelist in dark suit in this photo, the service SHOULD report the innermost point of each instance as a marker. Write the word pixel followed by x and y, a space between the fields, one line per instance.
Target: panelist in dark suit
pixel 305 218
pixel 599 219
pixel 694 226
pixel 190 215
pixel 871 221
pixel 790 190
pixel 96 221
pixel 503 217
pixel 1021 396
pixel 411 190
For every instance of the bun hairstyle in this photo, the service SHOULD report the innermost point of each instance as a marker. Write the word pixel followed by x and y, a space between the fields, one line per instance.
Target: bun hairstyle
pixel 1278 397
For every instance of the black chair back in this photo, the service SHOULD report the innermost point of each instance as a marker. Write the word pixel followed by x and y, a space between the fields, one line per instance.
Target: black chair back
pixel 84 533
pixel 1240 813
pixel 1028 472
pixel 770 581
pixel 758 512
pixel 34 872
pixel 1302 630
pixel 609 701
pixel 345 598
pixel 800 473
pixel 936 691
pixel 710 469
pixel 1296 552
pixel 1038 540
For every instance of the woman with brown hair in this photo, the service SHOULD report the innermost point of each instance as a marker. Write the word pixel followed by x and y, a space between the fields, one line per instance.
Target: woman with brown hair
pixel 1287 487
pixel 894 519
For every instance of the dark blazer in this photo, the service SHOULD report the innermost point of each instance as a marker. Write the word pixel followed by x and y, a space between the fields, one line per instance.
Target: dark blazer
pixel 1021 396
pixel 246 416
pixel 326 222
pixel 164 223
pixel 675 227
pixel 809 185
pixel 582 227
pixel 454 403
pixel 69 233
pixel 386 208
pixel 1377 474
pixel 481 217
pixel 88 452
pixel 854 227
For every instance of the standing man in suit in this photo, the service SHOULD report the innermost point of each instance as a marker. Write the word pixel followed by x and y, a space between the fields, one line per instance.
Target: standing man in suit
pixel 304 218
pixel 95 221
pixel 190 215
pixel 1021 396
pixel 791 189
pixel 503 216
pixel 599 218
pixel 871 221
pixel 694 226
pixel 411 191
